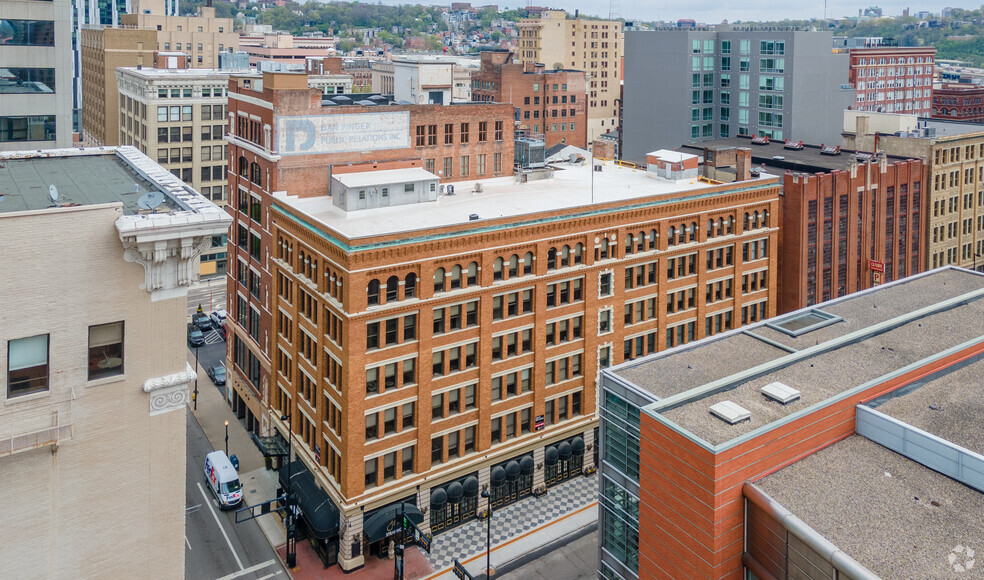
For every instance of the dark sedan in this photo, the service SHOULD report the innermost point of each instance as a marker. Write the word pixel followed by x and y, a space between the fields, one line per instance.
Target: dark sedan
pixel 217 373
pixel 195 336
pixel 202 321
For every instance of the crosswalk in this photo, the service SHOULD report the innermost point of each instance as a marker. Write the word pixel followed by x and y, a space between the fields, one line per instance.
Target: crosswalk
pixel 213 337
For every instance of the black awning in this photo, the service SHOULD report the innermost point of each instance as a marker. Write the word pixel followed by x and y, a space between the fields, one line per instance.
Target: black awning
pixel 273 446
pixel 385 521
pixel 317 509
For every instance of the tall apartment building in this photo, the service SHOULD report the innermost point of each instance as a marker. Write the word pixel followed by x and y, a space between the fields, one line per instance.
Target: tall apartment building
pixel 687 86
pixel 958 102
pixel 104 50
pixel 593 46
pixel 892 79
pixel 36 78
pixel 954 158
pixel 203 36
pixel 97 13
pixel 148 29
pixel 551 102
pixel 351 311
pixel 94 391
pixel 813 445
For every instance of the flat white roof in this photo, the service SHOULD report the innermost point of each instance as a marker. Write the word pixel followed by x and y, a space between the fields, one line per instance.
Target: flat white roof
pixel 570 187
pixel 670 155
pixel 384 176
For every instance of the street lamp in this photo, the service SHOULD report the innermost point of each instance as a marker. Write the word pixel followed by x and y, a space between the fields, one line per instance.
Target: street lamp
pixel 488 535
pixel 227 438
pixel 196 379
pixel 291 553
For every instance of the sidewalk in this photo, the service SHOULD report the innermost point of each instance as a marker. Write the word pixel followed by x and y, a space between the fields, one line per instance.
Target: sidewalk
pixel 518 529
pixel 259 484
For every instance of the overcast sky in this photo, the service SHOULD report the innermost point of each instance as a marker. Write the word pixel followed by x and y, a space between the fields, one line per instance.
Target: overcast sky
pixel 714 11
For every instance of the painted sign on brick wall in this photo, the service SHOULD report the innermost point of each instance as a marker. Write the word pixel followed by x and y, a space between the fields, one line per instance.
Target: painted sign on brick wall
pixel 310 135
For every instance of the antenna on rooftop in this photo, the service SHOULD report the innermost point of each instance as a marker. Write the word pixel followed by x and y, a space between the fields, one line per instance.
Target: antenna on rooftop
pixel 613 9
pixel 53 194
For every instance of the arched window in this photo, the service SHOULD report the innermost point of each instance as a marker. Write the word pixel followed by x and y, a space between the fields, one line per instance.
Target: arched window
pixel 641 241
pixel 456 277
pixel 746 224
pixel 653 236
pixel 731 225
pixel 710 228
pixel 410 286
pixel 473 274
pixel 255 173
pixel 439 280
pixel 693 231
pixel 243 167
pixel 528 264
pixel 514 266
pixel 565 256
pixel 628 244
pixel 552 259
pixel 765 218
pixel 671 240
pixel 373 292
pixel 497 269
pixel 578 253
pixel 602 250
pixel 392 289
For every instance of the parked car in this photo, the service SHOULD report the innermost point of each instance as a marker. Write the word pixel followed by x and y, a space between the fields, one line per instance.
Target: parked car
pixel 217 373
pixel 195 336
pixel 202 322
pixel 218 317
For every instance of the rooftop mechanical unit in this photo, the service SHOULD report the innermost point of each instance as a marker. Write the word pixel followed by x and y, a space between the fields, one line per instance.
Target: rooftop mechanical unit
pixel 730 413
pixel 781 393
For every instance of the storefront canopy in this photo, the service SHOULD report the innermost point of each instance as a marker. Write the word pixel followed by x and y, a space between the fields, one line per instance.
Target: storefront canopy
pixel 272 446
pixel 317 509
pixel 386 520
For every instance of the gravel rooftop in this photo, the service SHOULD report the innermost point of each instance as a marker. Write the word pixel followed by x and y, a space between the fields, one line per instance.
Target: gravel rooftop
pixel 894 516
pixel 958 415
pixel 822 376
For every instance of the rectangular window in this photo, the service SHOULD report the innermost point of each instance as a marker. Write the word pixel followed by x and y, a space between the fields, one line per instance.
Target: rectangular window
pixel 31 128
pixel 27 32
pixel 27 365
pixel 105 350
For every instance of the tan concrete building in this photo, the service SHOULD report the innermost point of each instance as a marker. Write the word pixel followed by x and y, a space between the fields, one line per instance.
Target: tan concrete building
pixel 93 369
pixel 202 36
pixel 103 50
pixel 954 192
pixel 594 46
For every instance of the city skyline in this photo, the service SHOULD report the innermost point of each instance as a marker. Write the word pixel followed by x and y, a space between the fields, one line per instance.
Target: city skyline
pixel 713 12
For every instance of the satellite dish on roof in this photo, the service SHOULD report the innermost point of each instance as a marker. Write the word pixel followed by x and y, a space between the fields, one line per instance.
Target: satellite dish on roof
pixel 150 201
pixel 53 193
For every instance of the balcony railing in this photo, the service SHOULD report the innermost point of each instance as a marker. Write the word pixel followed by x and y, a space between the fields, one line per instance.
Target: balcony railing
pixel 28 426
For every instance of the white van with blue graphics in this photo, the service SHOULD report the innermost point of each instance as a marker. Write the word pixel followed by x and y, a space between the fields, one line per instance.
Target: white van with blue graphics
pixel 223 480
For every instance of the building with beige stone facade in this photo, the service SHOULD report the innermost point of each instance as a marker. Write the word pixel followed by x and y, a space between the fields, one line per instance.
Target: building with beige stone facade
pixel 594 46
pixel 954 192
pixel 93 368
pixel 202 38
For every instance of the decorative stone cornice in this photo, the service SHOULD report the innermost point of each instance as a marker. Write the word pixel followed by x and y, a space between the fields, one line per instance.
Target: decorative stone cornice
pixel 170 392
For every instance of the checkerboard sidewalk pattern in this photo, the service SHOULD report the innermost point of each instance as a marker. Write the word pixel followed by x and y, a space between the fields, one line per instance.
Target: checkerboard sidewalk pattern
pixel 469 539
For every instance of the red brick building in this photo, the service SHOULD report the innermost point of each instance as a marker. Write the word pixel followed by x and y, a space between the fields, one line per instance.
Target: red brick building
pixel 551 102
pixel 840 228
pixel 280 140
pixel 893 79
pixel 794 447
pixel 958 102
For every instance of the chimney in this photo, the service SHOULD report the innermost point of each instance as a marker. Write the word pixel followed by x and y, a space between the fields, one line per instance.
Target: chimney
pixel 743 164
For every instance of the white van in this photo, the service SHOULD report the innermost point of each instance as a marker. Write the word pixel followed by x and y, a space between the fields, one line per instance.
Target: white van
pixel 222 479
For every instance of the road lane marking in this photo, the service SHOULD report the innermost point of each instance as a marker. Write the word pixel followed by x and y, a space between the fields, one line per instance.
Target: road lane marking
pixel 277 573
pixel 218 523
pixel 187 542
pixel 252 569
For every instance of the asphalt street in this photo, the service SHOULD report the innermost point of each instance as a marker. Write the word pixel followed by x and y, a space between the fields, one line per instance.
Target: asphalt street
pixel 216 547
pixel 210 293
pixel 576 560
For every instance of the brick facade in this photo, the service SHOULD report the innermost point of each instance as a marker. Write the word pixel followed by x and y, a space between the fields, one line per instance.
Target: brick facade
pixel 893 79
pixel 834 223
pixel 958 102
pixel 552 102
